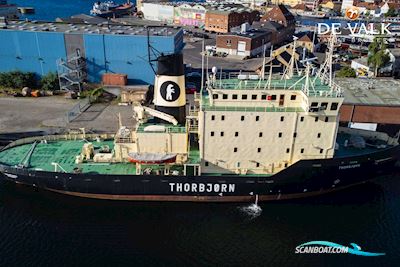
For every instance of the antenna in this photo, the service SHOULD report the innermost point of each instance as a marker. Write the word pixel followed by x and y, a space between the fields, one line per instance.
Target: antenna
pixel 151 50
pixel 263 65
pixel 202 68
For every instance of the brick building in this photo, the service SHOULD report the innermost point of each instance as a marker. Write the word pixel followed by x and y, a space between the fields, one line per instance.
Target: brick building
pixel 246 44
pixel 221 21
pixel 280 22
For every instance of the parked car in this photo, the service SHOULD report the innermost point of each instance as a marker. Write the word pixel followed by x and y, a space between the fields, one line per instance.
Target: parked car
pixel 200 35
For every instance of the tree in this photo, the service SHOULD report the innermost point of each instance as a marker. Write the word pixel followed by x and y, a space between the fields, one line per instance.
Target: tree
pixel 377 54
pixel 49 82
pixel 391 13
pixel 346 72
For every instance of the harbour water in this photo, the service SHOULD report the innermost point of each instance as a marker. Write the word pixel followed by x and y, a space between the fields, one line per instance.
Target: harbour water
pixel 47 229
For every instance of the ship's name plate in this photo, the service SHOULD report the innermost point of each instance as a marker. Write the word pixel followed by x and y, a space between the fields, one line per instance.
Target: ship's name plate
pixel 349 166
pixel 200 187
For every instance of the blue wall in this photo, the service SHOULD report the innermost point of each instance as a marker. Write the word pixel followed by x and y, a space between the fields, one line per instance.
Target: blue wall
pixel 38 51
pixel 30 51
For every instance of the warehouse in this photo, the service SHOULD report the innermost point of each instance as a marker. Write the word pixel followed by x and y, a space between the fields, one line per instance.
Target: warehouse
pixel 39 47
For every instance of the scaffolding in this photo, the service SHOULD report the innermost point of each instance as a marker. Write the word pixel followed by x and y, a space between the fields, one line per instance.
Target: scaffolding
pixel 71 73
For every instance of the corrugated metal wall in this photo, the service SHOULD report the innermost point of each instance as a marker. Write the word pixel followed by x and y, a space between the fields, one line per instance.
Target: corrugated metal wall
pixel 30 51
pixel 38 51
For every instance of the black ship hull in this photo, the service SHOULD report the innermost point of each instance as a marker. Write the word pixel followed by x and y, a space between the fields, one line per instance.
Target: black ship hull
pixel 304 178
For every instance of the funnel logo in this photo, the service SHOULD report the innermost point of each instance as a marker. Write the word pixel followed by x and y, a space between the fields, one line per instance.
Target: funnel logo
pixel 352 13
pixel 170 91
pixel 326 247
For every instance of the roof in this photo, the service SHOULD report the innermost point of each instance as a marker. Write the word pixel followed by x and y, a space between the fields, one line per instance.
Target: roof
pixel 85 28
pixel 377 91
pixel 278 13
pixel 82 18
pixel 251 34
pixel 307 37
pixel 270 25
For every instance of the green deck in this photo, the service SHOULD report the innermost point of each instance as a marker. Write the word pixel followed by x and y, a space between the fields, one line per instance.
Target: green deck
pixel 64 153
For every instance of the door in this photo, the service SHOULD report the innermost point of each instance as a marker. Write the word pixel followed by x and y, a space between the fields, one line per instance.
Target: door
pixel 281 100
pixel 241 51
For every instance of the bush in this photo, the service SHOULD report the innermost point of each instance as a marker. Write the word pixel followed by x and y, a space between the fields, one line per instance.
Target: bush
pixel 49 82
pixel 346 72
pixel 17 79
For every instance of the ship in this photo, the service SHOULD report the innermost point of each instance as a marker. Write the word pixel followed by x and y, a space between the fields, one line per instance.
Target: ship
pixel 8 11
pixel 111 9
pixel 242 138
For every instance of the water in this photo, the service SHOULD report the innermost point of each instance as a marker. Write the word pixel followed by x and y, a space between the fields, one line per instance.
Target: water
pixel 52 9
pixel 46 229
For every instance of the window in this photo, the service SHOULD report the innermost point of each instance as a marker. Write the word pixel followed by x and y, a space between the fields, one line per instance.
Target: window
pixel 206 163
pixel 237 164
pixel 334 106
pixel 302 150
pixel 254 97
pixel 282 118
pixel 280 135
pixel 293 97
pixel 244 97
pixel 242 118
pixel 319 135
pixel 295 135
pixel 286 165
pixel 212 117
pixel 257 164
pixel 235 149
pixel 314 104
pixel 236 134
pixel 273 97
pixel 287 150
pixel 326 119
pixel 257 118
pixel 212 133
pixel 234 96
pixel 224 96
pixel 215 96
pixel 316 119
pixel 260 134
pixel 263 97
pixel 321 151
pixel 222 117
pixel 301 118
pixel 228 42
pixel 222 134
pixel 259 149
pixel 324 106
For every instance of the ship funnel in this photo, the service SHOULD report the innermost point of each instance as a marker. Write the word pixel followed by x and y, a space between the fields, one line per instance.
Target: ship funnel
pixel 169 87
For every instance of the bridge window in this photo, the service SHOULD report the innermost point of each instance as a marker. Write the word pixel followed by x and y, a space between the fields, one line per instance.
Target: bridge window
pixel 273 97
pixel 263 97
pixel 244 97
pixel 334 106
pixel 254 97
pixel 234 96
pixel 293 97
pixel 215 96
pixel 224 96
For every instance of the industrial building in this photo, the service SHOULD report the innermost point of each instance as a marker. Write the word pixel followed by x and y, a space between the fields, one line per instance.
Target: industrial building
pixel 85 51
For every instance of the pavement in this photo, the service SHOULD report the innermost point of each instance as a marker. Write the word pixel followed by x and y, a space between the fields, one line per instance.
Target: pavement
pixel 33 114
